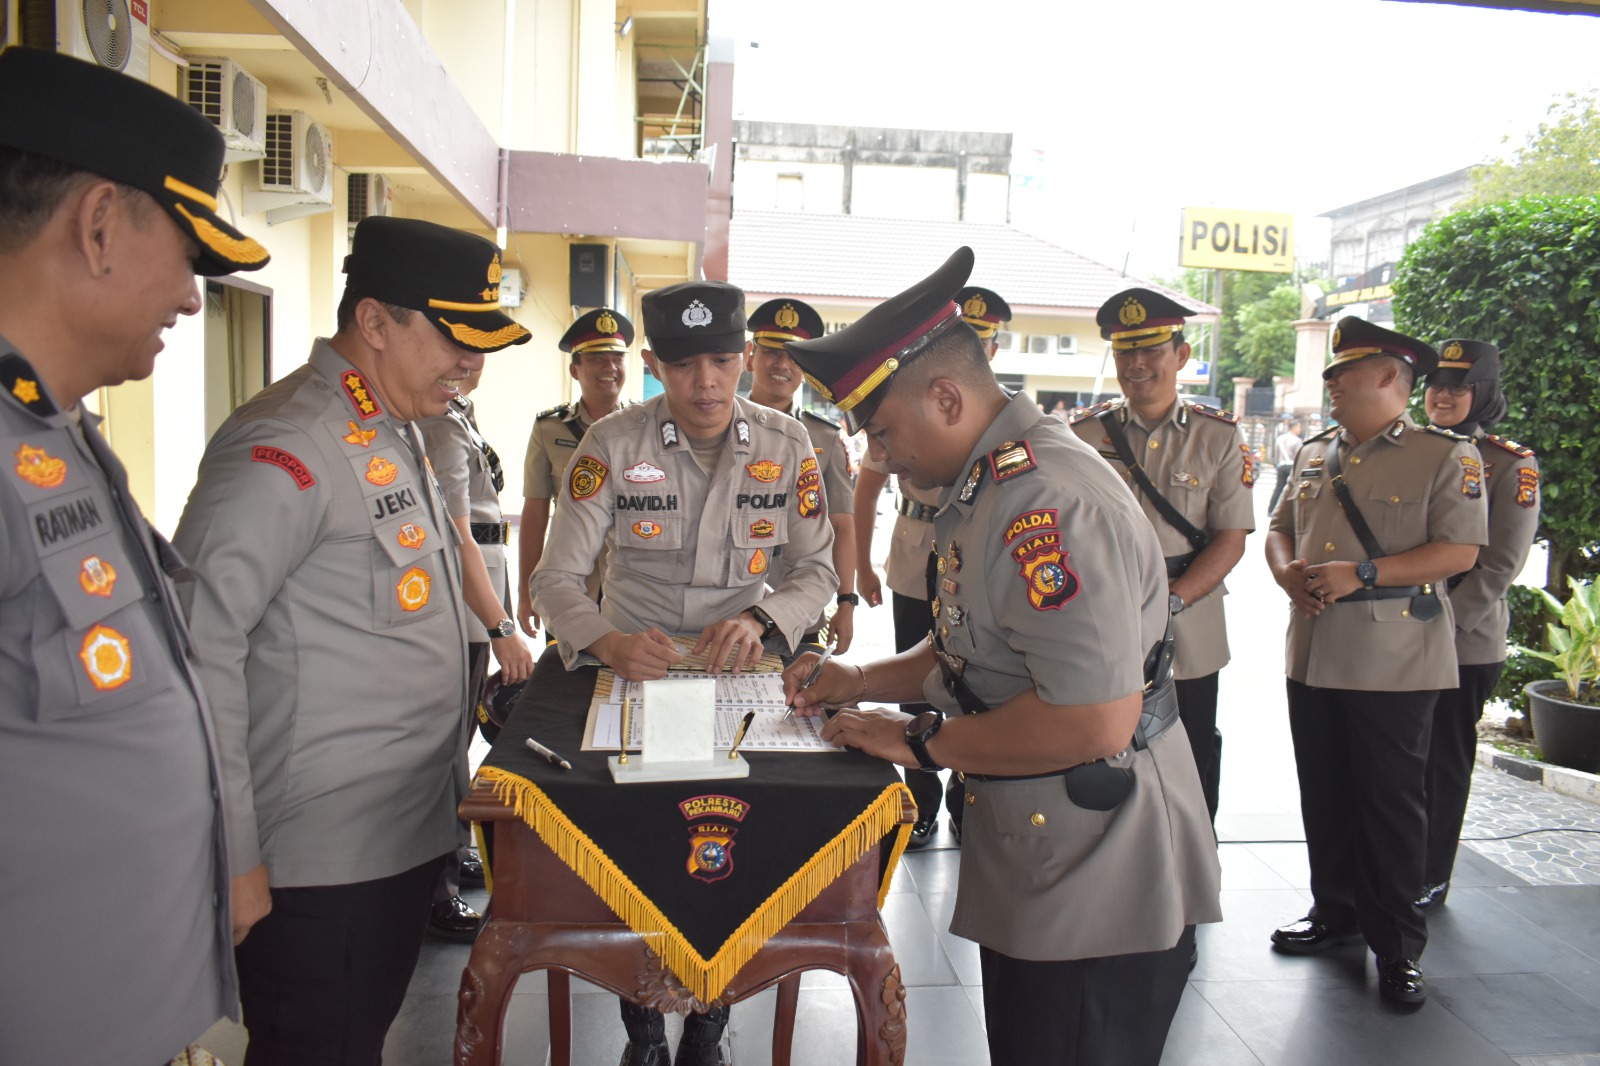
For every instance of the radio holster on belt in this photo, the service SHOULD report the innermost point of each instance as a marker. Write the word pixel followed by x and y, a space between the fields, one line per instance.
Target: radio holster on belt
pixel 1425 605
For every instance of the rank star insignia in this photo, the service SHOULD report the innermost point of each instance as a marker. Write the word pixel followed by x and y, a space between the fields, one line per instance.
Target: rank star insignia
pixel 758 562
pixel 765 471
pixel 355 386
pixel 360 437
pixel 410 535
pixel 97 576
pixel 26 391
pixel 381 471
pixel 38 467
pixel 413 588
pixel 106 657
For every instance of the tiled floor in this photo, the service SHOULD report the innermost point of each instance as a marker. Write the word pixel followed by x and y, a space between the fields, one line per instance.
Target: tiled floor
pixel 1513 958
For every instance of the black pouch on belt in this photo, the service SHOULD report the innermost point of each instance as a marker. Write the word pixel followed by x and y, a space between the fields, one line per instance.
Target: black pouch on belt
pixel 1426 606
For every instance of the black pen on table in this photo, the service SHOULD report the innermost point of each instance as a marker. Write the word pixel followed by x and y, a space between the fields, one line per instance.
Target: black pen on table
pixel 547 753
pixel 811 679
pixel 738 738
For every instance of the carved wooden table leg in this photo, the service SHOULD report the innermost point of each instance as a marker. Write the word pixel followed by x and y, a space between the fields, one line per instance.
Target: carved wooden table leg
pixel 486 985
pixel 783 1019
pixel 880 999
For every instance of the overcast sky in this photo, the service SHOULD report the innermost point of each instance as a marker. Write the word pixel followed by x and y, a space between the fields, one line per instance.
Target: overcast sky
pixel 1140 107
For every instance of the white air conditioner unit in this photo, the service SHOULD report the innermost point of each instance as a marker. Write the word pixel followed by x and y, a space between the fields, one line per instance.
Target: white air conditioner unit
pixel 234 101
pixel 368 195
pixel 1041 344
pixel 111 33
pixel 1007 341
pixel 296 175
pixel 1066 344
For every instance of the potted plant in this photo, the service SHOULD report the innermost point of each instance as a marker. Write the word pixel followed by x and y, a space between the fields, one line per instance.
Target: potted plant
pixel 1566 711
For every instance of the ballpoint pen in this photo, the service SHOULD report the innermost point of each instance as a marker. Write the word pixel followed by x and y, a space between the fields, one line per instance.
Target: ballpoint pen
pixel 547 753
pixel 744 727
pixel 627 728
pixel 811 679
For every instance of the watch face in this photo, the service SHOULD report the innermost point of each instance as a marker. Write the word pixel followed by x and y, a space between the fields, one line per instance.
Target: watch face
pixel 922 723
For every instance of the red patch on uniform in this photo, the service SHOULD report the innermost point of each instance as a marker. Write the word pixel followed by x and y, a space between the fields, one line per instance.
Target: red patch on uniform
pixel 262 453
pixel 355 386
pixel 1527 487
pixel 1010 459
pixel 1029 521
pixel 1051 583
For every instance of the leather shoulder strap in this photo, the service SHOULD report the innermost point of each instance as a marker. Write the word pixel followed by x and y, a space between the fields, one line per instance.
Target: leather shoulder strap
pixel 1352 513
pixel 1175 519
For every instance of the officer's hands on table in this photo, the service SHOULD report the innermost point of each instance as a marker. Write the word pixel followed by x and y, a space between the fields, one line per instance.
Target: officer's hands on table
pixel 642 656
pixel 738 637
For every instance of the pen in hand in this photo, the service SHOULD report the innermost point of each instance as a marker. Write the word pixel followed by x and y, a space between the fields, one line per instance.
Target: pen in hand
pixel 811 679
pixel 744 727
pixel 547 753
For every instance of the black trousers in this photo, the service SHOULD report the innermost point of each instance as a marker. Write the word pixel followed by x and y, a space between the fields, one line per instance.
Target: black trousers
pixel 912 624
pixel 449 884
pixel 1284 470
pixel 1110 1011
pixel 1197 709
pixel 1361 758
pixel 322 977
pixel 1452 750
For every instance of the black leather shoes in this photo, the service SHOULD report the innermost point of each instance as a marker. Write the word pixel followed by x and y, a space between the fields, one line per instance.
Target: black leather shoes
pixel 1433 895
pixel 1308 936
pixel 647 1054
pixel 1401 983
pixel 922 832
pixel 453 919
pixel 701 1042
pixel 471 873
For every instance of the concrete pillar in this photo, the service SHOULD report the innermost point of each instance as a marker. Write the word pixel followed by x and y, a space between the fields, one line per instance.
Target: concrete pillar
pixel 1241 392
pixel 1310 356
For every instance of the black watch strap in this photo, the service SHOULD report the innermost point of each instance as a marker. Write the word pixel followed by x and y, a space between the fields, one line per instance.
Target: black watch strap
pixel 921 729
pixel 767 624
pixel 848 597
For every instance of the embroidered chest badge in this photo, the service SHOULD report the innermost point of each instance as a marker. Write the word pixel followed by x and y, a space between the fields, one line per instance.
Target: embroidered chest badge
pixel 97 577
pixel 646 528
pixel 39 468
pixel 411 535
pixel 758 562
pixel 381 471
pixel 107 658
pixel 361 438
pixel 765 471
pixel 413 589
pixel 644 473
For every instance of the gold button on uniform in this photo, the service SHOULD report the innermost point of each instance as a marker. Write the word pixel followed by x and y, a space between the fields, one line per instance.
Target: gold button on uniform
pixel 1036 818
pixel 1154 445
pixel 971 799
pixel 1405 614
pixel 1328 547
pixel 1355 460
pixel 1394 499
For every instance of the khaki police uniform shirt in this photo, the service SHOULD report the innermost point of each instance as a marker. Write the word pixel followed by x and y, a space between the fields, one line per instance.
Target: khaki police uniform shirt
pixel 838 484
pixel 328 614
pixel 1052 581
pixel 551 446
pixel 1511 484
pixel 1196 457
pixel 689 549
pixel 1413 486
pixel 906 570
pixel 119 947
pixel 467 483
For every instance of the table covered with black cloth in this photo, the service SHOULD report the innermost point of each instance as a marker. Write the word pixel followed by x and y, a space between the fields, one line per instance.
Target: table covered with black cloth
pixel 707 871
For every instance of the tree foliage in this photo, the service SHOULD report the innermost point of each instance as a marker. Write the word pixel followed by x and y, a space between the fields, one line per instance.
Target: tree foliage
pixel 1560 158
pixel 1256 333
pixel 1265 332
pixel 1525 275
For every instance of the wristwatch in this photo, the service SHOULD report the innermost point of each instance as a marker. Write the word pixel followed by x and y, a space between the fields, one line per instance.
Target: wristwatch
pixel 921 729
pixel 504 628
pixel 847 597
pixel 1175 603
pixel 767 624
pixel 1367 571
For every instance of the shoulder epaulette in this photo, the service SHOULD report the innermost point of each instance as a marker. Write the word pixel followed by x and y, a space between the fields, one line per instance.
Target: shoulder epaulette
pixel 1330 431
pixel 1012 458
pixel 820 418
pixel 1096 411
pixel 22 382
pixel 560 410
pixel 1451 434
pixel 1215 412
pixel 1521 451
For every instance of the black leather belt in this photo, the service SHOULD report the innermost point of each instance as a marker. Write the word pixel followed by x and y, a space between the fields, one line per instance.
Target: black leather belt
pixel 1391 592
pixel 491 532
pixel 921 512
pixel 1177 564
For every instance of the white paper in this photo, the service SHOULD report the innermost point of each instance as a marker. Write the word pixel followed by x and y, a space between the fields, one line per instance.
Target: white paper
pixel 735 694
pixel 678 716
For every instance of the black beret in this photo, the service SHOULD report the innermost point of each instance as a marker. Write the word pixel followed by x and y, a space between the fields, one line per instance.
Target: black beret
pixel 777 322
pixel 109 124
pixel 983 309
pixel 452 277
pixel 601 330
pixel 1466 362
pixel 1356 338
pixel 693 317
pixel 853 367
pixel 1139 318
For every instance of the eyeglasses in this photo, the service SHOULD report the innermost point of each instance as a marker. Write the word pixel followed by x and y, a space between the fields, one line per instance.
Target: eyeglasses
pixel 1455 392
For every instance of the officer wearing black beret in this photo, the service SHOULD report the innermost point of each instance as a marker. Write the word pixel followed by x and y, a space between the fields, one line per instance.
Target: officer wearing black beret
pixel 1087 857
pixel 328 611
pixel 774 381
pixel 1381 513
pixel 1463 395
pixel 698 491
pixel 123 951
pixel 597 348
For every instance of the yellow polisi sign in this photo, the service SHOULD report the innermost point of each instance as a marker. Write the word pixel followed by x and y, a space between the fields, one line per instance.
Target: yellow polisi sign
pixel 1238 240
